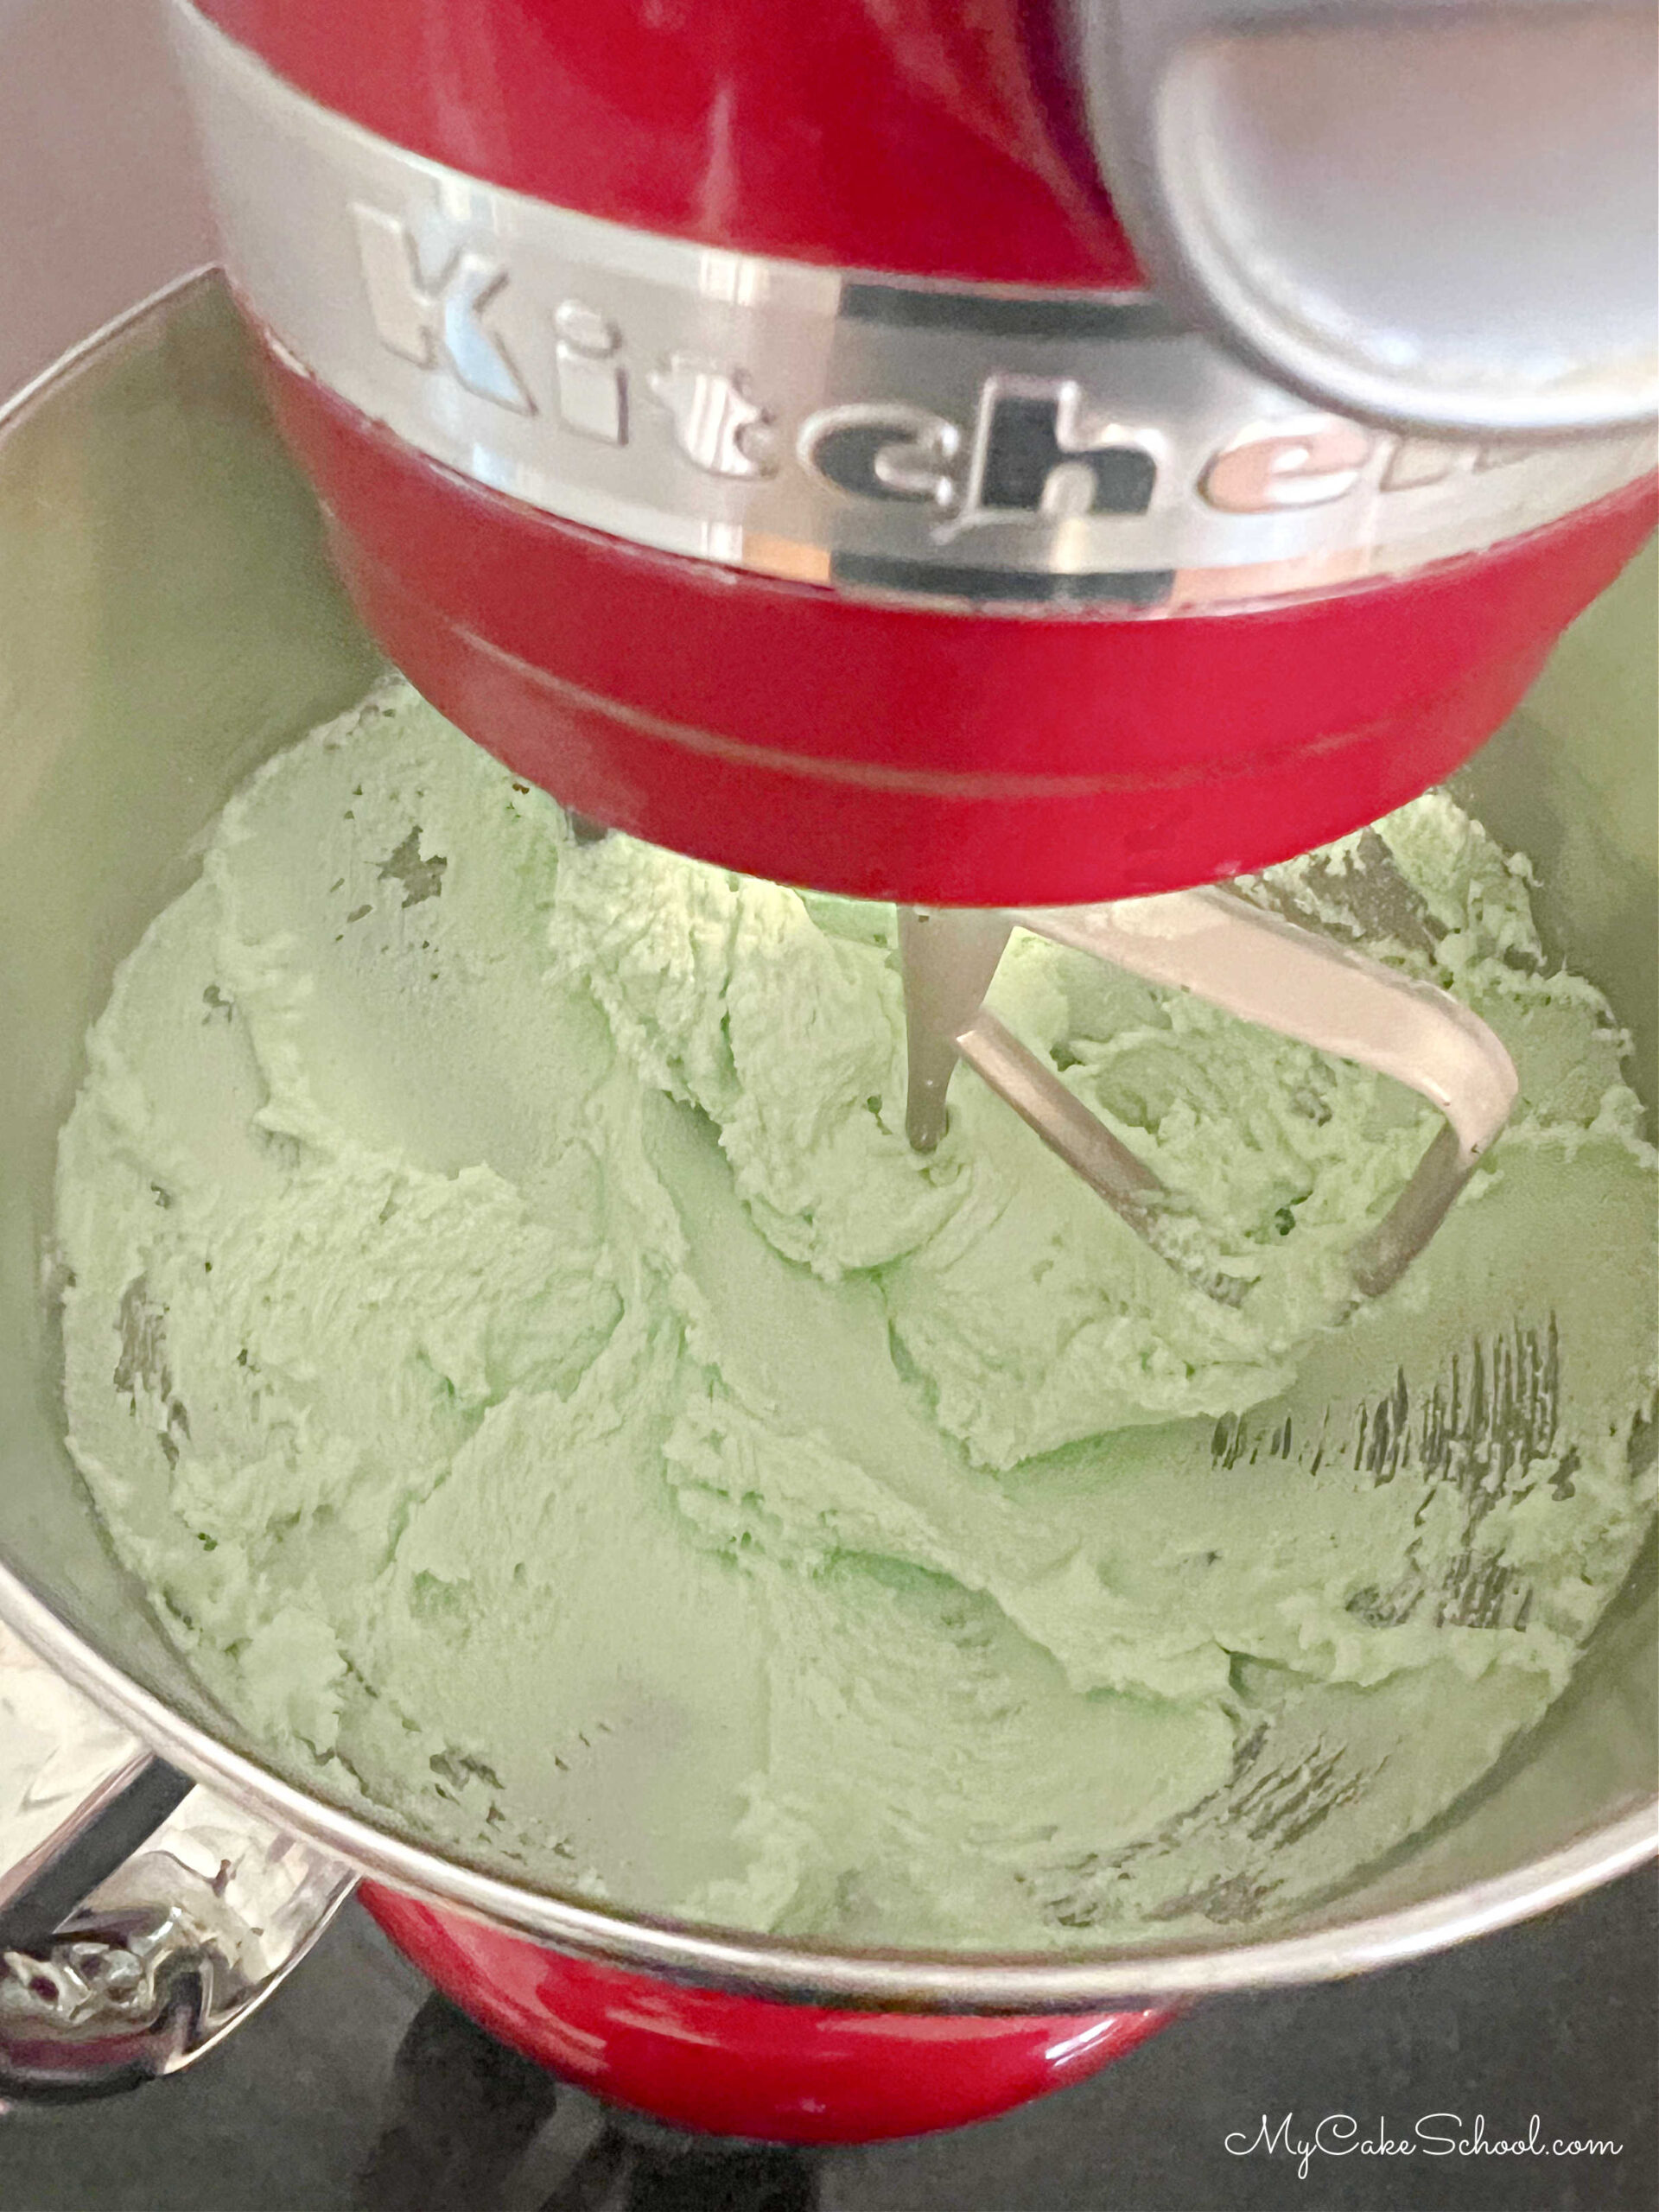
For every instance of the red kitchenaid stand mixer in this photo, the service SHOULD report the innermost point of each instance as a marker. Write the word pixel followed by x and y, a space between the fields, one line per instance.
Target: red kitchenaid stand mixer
pixel 756 426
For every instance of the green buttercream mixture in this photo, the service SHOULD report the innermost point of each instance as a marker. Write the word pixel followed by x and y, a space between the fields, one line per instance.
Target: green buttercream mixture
pixel 550 1403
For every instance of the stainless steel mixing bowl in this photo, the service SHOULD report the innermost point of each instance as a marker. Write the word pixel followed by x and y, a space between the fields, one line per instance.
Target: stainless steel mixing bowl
pixel 167 619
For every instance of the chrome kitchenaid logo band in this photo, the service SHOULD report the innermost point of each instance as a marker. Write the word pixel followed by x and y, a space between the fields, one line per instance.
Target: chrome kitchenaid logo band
pixel 948 441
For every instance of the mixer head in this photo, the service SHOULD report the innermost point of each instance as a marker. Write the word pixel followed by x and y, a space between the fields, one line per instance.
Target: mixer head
pixel 843 506
pixel 762 434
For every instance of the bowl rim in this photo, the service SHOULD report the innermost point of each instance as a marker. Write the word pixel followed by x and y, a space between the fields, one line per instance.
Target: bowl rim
pixel 892 1980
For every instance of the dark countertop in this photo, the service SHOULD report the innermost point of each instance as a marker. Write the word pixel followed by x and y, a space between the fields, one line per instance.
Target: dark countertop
pixel 358 2087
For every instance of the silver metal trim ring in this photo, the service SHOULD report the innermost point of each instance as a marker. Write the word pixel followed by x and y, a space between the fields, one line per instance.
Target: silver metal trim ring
pixel 1010 449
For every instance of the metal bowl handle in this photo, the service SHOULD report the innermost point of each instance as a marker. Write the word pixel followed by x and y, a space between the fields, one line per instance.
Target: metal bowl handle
pixel 142 1918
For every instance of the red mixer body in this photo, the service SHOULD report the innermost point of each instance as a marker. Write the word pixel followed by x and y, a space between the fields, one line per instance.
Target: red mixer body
pixel 881 753
pixel 728 2065
pixel 1183 723
pixel 494 249
pixel 905 135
